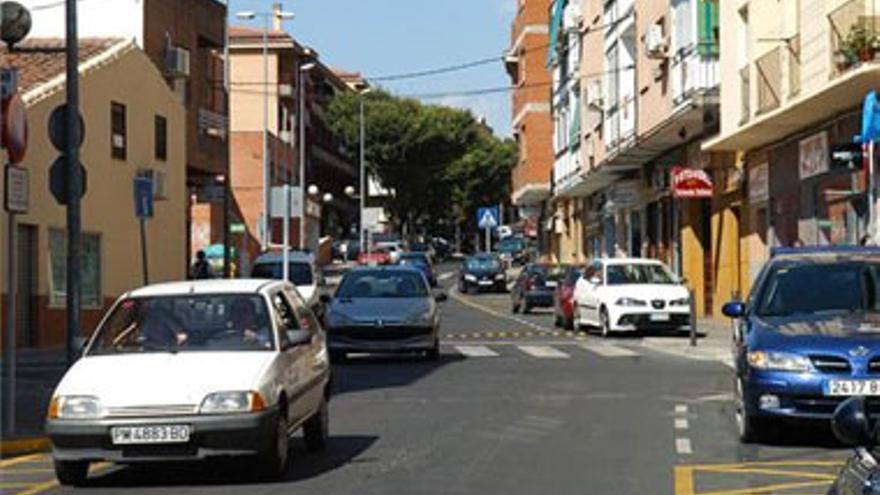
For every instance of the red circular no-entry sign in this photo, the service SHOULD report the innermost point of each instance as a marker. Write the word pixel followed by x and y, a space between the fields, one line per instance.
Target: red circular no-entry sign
pixel 15 131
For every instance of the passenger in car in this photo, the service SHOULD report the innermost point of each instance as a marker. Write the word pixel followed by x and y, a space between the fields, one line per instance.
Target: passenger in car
pixel 245 320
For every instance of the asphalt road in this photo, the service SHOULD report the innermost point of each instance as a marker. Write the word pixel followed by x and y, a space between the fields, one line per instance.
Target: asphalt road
pixel 513 407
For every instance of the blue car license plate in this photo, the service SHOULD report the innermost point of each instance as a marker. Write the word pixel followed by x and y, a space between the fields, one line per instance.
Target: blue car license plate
pixel 847 388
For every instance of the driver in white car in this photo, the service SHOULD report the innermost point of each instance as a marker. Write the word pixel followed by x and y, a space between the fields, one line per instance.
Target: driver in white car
pixel 245 320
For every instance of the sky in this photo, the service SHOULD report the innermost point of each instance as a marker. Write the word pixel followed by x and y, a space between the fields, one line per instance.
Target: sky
pixel 385 37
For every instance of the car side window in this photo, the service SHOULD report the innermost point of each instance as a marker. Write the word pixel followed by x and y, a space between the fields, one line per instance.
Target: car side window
pixel 285 316
pixel 305 317
pixel 599 272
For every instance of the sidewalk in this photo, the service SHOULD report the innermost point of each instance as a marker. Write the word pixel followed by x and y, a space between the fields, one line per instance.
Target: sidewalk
pixel 37 373
pixel 713 343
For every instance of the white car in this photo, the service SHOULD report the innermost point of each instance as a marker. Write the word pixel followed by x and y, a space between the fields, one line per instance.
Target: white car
pixel 194 370
pixel 303 273
pixel 628 295
pixel 395 250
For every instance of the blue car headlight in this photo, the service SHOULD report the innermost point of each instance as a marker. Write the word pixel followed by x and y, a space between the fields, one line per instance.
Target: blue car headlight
pixel 778 361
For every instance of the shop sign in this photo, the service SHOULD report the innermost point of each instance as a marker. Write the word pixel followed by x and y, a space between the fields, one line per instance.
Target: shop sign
pixel 813 155
pixel 691 183
pixel 846 156
pixel 626 195
pixel 759 183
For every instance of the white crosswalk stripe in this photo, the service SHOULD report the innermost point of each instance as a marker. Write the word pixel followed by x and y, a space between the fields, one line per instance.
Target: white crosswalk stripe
pixel 609 350
pixel 543 351
pixel 475 351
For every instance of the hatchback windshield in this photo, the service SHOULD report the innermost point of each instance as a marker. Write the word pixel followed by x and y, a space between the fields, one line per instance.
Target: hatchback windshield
pixel 820 288
pixel 511 245
pixel 639 273
pixel 482 264
pixel 414 259
pixel 403 283
pixel 224 322
pixel 300 273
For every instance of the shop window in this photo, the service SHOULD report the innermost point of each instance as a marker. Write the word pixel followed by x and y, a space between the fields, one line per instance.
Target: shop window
pixel 90 265
pixel 118 136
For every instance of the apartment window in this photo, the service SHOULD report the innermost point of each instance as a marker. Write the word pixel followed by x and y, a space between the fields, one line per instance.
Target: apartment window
pixel 90 264
pixel 118 136
pixel 683 26
pixel 160 131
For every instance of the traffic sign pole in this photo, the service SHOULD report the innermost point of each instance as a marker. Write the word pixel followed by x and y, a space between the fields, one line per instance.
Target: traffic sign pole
pixel 74 183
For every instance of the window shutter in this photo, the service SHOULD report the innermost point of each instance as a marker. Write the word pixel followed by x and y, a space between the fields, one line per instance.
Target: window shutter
pixel 708 22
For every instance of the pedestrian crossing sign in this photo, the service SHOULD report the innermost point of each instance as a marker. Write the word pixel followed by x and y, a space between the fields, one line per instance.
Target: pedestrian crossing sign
pixel 487 217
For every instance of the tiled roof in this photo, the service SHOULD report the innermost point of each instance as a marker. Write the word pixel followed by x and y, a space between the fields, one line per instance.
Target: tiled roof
pixel 38 67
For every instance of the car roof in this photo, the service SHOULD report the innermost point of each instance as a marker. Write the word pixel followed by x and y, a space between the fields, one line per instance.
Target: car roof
pixel 631 261
pixel 198 287
pixel 825 253
pixel 293 257
pixel 414 254
pixel 382 268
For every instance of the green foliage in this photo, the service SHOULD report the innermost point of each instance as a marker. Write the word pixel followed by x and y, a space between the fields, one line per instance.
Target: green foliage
pixel 440 161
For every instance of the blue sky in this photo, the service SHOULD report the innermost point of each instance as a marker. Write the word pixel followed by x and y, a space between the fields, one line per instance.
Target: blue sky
pixel 381 37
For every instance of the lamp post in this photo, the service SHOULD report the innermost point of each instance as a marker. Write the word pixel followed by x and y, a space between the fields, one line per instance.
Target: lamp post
pixel 302 149
pixel 363 167
pixel 267 176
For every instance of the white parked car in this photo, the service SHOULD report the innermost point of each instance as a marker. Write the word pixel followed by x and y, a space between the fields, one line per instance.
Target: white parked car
pixel 192 371
pixel 303 272
pixel 630 295
pixel 394 248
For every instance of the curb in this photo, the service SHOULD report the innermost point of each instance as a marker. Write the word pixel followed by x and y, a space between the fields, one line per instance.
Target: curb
pixel 22 446
pixel 705 353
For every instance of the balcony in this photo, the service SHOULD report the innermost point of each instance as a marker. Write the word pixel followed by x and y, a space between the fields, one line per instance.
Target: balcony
pixel 692 72
pixel 855 36
pixel 745 94
pixel 213 124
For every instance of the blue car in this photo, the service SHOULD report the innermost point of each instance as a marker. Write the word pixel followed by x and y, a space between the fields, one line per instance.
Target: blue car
pixel 807 338
pixel 421 262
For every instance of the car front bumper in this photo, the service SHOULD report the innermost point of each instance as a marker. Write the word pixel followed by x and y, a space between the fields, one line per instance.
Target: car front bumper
pixel 800 395
pixel 211 436
pixel 492 284
pixel 390 339
pixel 539 298
pixel 623 318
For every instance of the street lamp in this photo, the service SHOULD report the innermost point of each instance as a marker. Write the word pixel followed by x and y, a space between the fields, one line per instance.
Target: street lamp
pixel 267 177
pixel 302 144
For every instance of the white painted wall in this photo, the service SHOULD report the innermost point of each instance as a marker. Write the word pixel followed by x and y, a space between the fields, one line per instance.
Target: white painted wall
pixel 96 18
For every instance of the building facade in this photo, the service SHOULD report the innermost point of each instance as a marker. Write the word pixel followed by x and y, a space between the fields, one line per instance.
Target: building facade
pixel 185 40
pixel 526 64
pixel 135 126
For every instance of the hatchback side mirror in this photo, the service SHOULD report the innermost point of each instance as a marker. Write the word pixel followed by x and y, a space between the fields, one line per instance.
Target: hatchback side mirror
pixel 734 309
pixel 851 424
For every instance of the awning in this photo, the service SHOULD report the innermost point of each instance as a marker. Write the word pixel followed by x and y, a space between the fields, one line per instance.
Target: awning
pixel 555 27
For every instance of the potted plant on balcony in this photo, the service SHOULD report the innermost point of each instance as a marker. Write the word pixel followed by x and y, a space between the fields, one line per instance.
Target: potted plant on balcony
pixel 860 45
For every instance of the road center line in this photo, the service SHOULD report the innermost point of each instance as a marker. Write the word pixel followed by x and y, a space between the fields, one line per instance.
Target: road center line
pixel 683 446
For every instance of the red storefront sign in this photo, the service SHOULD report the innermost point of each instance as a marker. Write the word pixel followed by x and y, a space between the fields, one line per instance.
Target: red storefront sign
pixel 691 183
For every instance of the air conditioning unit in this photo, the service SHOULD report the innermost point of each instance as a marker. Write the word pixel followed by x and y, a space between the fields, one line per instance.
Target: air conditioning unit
pixel 572 17
pixel 285 90
pixel 655 42
pixel 160 182
pixel 176 61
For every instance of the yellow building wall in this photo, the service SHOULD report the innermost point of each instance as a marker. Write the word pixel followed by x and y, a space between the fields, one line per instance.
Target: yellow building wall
pixel 107 208
pixel 692 252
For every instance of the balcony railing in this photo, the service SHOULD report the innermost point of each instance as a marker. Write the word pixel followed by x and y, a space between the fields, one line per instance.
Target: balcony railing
pixel 692 71
pixel 855 35
pixel 769 70
pixel 212 123
pixel 794 66
pixel 745 94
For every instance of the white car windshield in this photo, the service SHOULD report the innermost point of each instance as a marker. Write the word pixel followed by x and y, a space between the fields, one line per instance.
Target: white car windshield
pixel 226 322
pixel 639 273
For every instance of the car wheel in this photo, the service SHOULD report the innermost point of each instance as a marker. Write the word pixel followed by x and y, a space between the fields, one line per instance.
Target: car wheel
pixel 514 307
pixel 272 464
pixel 604 323
pixel 750 428
pixel 317 428
pixel 71 473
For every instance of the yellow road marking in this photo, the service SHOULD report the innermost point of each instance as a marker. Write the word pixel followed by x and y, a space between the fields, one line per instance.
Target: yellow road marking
pixel 39 488
pixel 769 488
pixel 15 484
pixel 774 472
pixel 28 470
pixel 684 480
pixel 764 464
pixel 515 334
pixel 22 459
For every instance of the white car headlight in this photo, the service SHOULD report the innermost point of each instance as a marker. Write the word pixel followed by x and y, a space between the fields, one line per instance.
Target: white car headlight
pixel 499 276
pixel 778 361
pixel 629 301
pixel 684 301
pixel 232 402
pixel 75 407
pixel 470 278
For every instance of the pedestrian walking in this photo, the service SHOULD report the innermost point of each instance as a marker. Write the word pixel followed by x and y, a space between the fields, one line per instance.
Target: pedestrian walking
pixel 201 269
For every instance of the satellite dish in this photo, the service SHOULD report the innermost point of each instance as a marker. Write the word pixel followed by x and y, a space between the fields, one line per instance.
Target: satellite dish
pixel 16 22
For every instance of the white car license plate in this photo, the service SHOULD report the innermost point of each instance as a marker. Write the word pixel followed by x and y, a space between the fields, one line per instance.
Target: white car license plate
pixel 660 317
pixel 550 283
pixel 846 388
pixel 486 282
pixel 130 435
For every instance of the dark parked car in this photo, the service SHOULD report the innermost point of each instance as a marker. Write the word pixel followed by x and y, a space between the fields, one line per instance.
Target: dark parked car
pixel 807 338
pixel 383 309
pixel 421 262
pixel 854 424
pixel 534 287
pixel 563 296
pixel 482 272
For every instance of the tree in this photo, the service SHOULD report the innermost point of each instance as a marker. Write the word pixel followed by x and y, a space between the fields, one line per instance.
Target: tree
pixel 438 160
